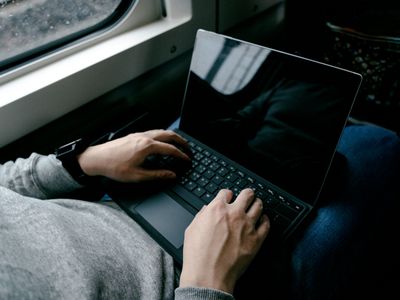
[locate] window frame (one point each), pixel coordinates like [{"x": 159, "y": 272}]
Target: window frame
[
  {"x": 43, "y": 90},
  {"x": 31, "y": 55},
  {"x": 78, "y": 73}
]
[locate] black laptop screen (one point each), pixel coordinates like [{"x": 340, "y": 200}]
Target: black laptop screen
[{"x": 279, "y": 115}]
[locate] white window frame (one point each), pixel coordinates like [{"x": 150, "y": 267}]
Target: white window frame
[
  {"x": 42, "y": 91},
  {"x": 150, "y": 34}
]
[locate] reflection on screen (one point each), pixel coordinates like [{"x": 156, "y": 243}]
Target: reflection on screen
[{"x": 276, "y": 114}]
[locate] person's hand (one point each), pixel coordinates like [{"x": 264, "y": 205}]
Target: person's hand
[
  {"x": 222, "y": 240},
  {"x": 122, "y": 159}
]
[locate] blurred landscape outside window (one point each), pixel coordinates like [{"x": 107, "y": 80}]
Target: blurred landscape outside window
[{"x": 29, "y": 28}]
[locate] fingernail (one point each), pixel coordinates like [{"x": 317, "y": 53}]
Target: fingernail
[{"x": 171, "y": 175}]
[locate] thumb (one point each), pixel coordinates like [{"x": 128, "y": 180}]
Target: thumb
[{"x": 146, "y": 174}]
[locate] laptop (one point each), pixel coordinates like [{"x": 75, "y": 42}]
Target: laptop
[{"x": 254, "y": 117}]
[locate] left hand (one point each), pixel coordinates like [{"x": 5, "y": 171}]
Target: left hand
[
  {"x": 122, "y": 159},
  {"x": 222, "y": 240}
]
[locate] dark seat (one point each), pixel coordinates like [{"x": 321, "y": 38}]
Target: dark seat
[{"x": 359, "y": 35}]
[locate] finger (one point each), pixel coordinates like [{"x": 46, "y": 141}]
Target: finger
[
  {"x": 224, "y": 196},
  {"x": 244, "y": 199},
  {"x": 255, "y": 210},
  {"x": 147, "y": 174},
  {"x": 263, "y": 227},
  {"x": 201, "y": 210},
  {"x": 166, "y": 149},
  {"x": 198, "y": 214},
  {"x": 167, "y": 136}
]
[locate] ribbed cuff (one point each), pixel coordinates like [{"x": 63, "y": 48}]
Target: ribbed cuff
[
  {"x": 195, "y": 293},
  {"x": 51, "y": 177}
]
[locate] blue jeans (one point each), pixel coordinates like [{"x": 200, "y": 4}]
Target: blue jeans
[{"x": 347, "y": 250}]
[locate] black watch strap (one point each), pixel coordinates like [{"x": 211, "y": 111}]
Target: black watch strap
[{"x": 68, "y": 155}]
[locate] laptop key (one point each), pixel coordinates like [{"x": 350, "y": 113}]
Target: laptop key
[
  {"x": 207, "y": 197},
  {"x": 194, "y": 176},
  {"x": 211, "y": 187},
  {"x": 190, "y": 186},
  {"x": 279, "y": 221},
  {"x": 214, "y": 157},
  {"x": 240, "y": 183},
  {"x": 286, "y": 211},
  {"x": 217, "y": 179},
  {"x": 202, "y": 181},
  {"x": 208, "y": 174},
  {"x": 223, "y": 171},
  {"x": 207, "y": 153},
  {"x": 232, "y": 177},
  {"x": 225, "y": 185},
  {"x": 214, "y": 166},
  {"x": 199, "y": 191},
  {"x": 201, "y": 169},
  {"x": 270, "y": 202}
]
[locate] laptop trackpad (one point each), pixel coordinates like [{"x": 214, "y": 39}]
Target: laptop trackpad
[{"x": 168, "y": 217}]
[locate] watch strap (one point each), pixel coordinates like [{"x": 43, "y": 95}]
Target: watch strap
[{"x": 68, "y": 155}]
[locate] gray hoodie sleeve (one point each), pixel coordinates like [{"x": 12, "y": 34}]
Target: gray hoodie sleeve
[
  {"x": 196, "y": 293},
  {"x": 90, "y": 238},
  {"x": 38, "y": 176}
]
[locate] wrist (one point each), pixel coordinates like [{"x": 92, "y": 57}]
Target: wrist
[
  {"x": 69, "y": 154},
  {"x": 207, "y": 281},
  {"x": 88, "y": 162}
]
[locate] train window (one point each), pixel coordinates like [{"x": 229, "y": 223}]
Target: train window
[
  {"x": 30, "y": 28},
  {"x": 57, "y": 55},
  {"x": 62, "y": 72}
]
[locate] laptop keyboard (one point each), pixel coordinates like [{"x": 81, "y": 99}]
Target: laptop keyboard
[{"x": 210, "y": 173}]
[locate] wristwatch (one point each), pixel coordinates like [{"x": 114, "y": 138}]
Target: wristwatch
[{"x": 67, "y": 154}]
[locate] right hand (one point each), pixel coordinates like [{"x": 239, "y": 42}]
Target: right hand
[
  {"x": 122, "y": 159},
  {"x": 222, "y": 240}
]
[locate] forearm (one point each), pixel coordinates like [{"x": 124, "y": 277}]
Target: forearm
[{"x": 37, "y": 176}]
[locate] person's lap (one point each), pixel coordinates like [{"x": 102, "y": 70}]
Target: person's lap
[{"x": 347, "y": 249}]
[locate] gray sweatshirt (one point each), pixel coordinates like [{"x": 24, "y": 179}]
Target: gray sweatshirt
[{"x": 74, "y": 249}]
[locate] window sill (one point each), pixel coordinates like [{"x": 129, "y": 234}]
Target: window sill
[{"x": 42, "y": 95}]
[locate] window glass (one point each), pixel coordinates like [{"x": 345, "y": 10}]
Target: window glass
[{"x": 29, "y": 28}]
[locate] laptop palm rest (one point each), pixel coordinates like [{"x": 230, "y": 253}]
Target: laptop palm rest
[{"x": 165, "y": 215}]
